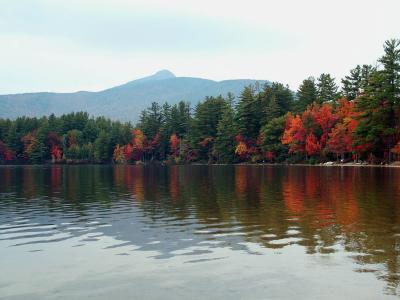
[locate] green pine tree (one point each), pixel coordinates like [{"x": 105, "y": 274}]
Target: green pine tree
[
  {"x": 249, "y": 113},
  {"x": 379, "y": 104},
  {"x": 306, "y": 94},
  {"x": 352, "y": 83},
  {"x": 224, "y": 146},
  {"x": 102, "y": 147},
  {"x": 327, "y": 88},
  {"x": 273, "y": 110},
  {"x": 271, "y": 135}
]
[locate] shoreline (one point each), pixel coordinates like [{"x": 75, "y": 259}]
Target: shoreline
[{"x": 393, "y": 165}]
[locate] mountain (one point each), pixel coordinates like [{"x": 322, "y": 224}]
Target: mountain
[{"x": 123, "y": 102}]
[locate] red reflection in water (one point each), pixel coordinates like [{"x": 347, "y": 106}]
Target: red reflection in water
[
  {"x": 326, "y": 197},
  {"x": 293, "y": 195},
  {"x": 134, "y": 178},
  {"x": 174, "y": 183},
  {"x": 55, "y": 179},
  {"x": 241, "y": 181}
]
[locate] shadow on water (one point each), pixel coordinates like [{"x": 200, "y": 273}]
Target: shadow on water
[{"x": 170, "y": 210}]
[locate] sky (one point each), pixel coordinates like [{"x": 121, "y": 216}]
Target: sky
[{"x": 73, "y": 45}]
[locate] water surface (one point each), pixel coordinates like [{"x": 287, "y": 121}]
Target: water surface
[{"x": 199, "y": 232}]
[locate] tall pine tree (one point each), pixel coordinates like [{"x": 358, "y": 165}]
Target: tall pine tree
[
  {"x": 249, "y": 113},
  {"x": 327, "y": 88},
  {"x": 306, "y": 94},
  {"x": 224, "y": 146},
  {"x": 352, "y": 83}
]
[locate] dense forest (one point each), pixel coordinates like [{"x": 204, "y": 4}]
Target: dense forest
[{"x": 321, "y": 122}]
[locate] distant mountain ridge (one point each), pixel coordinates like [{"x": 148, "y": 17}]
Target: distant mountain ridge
[{"x": 123, "y": 102}]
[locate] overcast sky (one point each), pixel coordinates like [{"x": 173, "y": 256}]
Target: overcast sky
[{"x": 92, "y": 44}]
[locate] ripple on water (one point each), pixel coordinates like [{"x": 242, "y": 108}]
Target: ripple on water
[{"x": 234, "y": 220}]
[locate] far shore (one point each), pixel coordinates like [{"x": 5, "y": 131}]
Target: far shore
[
  {"x": 329, "y": 164},
  {"x": 393, "y": 165}
]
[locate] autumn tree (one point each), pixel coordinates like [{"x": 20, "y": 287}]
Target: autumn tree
[
  {"x": 138, "y": 144},
  {"x": 119, "y": 155},
  {"x": 242, "y": 149},
  {"x": 294, "y": 134},
  {"x": 313, "y": 146},
  {"x": 54, "y": 143},
  {"x": 34, "y": 149},
  {"x": 174, "y": 145},
  {"x": 6, "y": 155}
]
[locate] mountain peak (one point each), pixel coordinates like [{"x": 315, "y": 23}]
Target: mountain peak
[
  {"x": 163, "y": 74},
  {"x": 160, "y": 75}
]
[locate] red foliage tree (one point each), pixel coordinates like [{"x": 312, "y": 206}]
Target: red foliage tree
[
  {"x": 396, "y": 150},
  {"x": 325, "y": 118},
  {"x": 174, "y": 142},
  {"x": 128, "y": 152},
  {"x": 295, "y": 134},
  {"x": 341, "y": 137},
  {"x": 53, "y": 141},
  {"x": 269, "y": 155},
  {"x": 313, "y": 147},
  {"x": 339, "y": 140},
  {"x": 5, "y": 153}
]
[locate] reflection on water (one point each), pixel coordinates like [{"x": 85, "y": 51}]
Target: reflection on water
[{"x": 331, "y": 218}]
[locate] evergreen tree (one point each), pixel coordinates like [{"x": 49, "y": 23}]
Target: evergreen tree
[
  {"x": 379, "y": 105},
  {"x": 224, "y": 146},
  {"x": 356, "y": 83},
  {"x": 366, "y": 71},
  {"x": 204, "y": 125},
  {"x": 276, "y": 100},
  {"x": 271, "y": 135},
  {"x": 249, "y": 113},
  {"x": 13, "y": 138},
  {"x": 151, "y": 120},
  {"x": 391, "y": 70},
  {"x": 327, "y": 88},
  {"x": 272, "y": 110},
  {"x": 102, "y": 147},
  {"x": 352, "y": 83},
  {"x": 306, "y": 94}
]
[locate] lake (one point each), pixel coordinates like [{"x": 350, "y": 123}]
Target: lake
[{"x": 199, "y": 232}]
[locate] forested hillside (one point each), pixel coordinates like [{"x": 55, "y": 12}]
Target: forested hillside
[
  {"x": 123, "y": 102},
  {"x": 268, "y": 123}
]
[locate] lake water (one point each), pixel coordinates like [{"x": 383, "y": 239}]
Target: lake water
[{"x": 199, "y": 232}]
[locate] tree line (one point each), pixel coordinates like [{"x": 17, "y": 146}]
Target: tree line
[{"x": 270, "y": 123}]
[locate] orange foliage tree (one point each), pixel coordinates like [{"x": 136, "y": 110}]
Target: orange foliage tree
[
  {"x": 118, "y": 155},
  {"x": 242, "y": 149},
  {"x": 313, "y": 146},
  {"x": 138, "y": 144},
  {"x": 174, "y": 142},
  {"x": 295, "y": 134}
]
